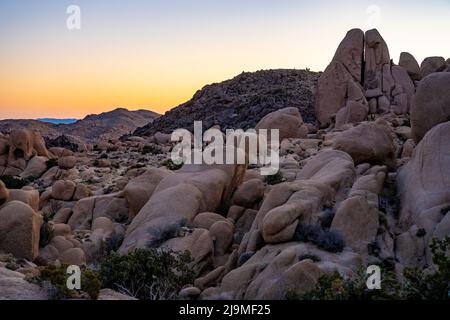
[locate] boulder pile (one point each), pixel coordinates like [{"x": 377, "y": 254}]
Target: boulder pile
[{"x": 368, "y": 184}]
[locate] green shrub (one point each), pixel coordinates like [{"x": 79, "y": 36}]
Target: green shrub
[
  {"x": 147, "y": 274},
  {"x": 50, "y": 163},
  {"x": 90, "y": 283},
  {"x": 10, "y": 261},
  {"x": 430, "y": 286},
  {"x": 274, "y": 178},
  {"x": 57, "y": 277},
  {"x": 334, "y": 287},
  {"x": 417, "y": 284},
  {"x": 14, "y": 182}
]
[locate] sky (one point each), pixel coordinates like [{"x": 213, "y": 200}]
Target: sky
[{"x": 155, "y": 54}]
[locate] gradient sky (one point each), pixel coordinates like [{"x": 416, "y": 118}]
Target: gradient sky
[{"x": 154, "y": 54}]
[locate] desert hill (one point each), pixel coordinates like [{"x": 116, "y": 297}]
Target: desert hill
[
  {"x": 239, "y": 103},
  {"x": 93, "y": 128}
]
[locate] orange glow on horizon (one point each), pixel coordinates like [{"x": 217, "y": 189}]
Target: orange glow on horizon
[{"x": 156, "y": 54}]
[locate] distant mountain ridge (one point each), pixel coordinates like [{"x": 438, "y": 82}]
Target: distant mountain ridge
[
  {"x": 57, "y": 121},
  {"x": 92, "y": 128}
]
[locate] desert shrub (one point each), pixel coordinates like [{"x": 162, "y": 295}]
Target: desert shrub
[
  {"x": 335, "y": 287},
  {"x": 90, "y": 283},
  {"x": 113, "y": 243},
  {"x": 274, "y": 178},
  {"x": 14, "y": 182},
  {"x": 327, "y": 240},
  {"x": 103, "y": 156},
  {"x": 9, "y": 261},
  {"x": 50, "y": 163},
  {"x": 416, "y": 285},
  {"x": 147, "y": 274},
  {"x": 47, "y": 230},
  {"x": 170, "y": 165},
  {"x": 57, "y": 277},
  {"x": 419, "y": 285},
  {"x": 151, "y": 149},
  {"x": 162, "y": 234}
]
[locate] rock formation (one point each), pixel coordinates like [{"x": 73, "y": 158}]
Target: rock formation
[
  {"x": 369, "y": 187},
  {"x": 431, "y": 104},
  {"x": 362, "y": 79}
]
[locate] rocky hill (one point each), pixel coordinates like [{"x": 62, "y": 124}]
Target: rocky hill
[
  {"x": 93, "y": 128},
  {"x": 241, "y": 102}
]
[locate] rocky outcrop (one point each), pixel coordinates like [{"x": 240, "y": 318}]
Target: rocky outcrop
[
  {"x": 25, "y": 144},
  {"x": 357, "y": 217},
  {"x": 409, "y": 63},
  {"x": 23, "y": 153},
  {"x": 431, "y": 104},
  {"x": 278, "y": 269},
  {"x": 35, "y": 168},
  {"x": 338, "y": 80},
  {"x": 13, "y": 286},
  {"x": 323, "y": 180},
  {"x": 368, "y": 142},
  {"x": 139, "y": 190},
  {"x": 288, "y": 121},
  {"x": 359, "y": 192},
  {"x": 19, "y": 230},
  {"x": 424, "y": 182},
  {"x": 4, "y": 193},
  {"x": 88, "y": 209},
  {"x": 178, "y": 198},
  {"x": 361, "y": 79},
  {"x": 432, "y": 64},
  {"x": 424, "y": 190}
]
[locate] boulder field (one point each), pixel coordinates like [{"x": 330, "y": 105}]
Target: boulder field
[{"x": 368, "y": 183}]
